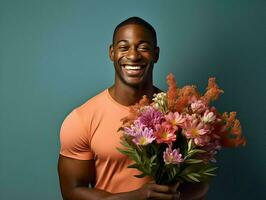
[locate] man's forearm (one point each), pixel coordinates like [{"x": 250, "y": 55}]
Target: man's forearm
[
  {"x": 148, "y": 191},
  {"x": 84, "y": 193}
]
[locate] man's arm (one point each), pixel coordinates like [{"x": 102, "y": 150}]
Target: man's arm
[{"x": 76, "y": 175}]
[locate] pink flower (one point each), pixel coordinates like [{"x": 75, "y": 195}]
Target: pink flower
[
  {"x": 192, "y": 117},
  {"x": 172, "y": 156},
  {"x": 175, "y": 119},
  {"x": 196, "y": 130},
  {"x": 145, "y": 137},
  {"x": 208, "y": 117},
  {"x": 198, "y": 106},
  {"x": 193, "y": 129},
  {"x": 165, "y": 133},
  {"x": 202, "y": 140}
]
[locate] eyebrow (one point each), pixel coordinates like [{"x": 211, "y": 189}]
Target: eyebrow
[
  {"x": 140, "y": 42},
  {"x": 121, "y": 41}
]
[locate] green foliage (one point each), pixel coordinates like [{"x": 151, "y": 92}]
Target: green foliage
[{"x": 149, "y": 161}]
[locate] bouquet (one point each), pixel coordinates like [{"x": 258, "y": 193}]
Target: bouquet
[{"x": 177, "y": 135}]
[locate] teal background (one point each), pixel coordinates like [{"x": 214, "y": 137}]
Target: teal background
[{"x": 54, "y": 56}]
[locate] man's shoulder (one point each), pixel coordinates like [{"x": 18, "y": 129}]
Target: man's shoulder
[
  {"x": 91, "y": 108},
  {"x": 94, "y": 102}
]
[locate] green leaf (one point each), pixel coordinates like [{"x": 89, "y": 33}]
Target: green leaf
[
  {"x": 193, "y": 178},
  {"x": 194, "y": 151},
  {"x": 135, "y": 165},
  {"x": 137, "y": 157},
  {"x": 195, "y": 174},
  {"x": 187, "y": 179},
  {"x": 125, "y": 151},
  {"x": 211, "y": 169},
  {"x": 192, "y": 161},
  {"x": 189, "y": 145},
  {"x": 126, "y": 144},
  {"x": 153, "y": 158},
  {"x": 209, "y": 174},
  {"x": 140, "y": 175}
]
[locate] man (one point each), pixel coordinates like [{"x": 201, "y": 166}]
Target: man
[{"x": 89, "y": 136}]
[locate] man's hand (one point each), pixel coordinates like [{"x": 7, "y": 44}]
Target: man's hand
[{"x": 155, "y": 191}]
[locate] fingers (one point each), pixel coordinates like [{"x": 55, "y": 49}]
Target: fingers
[
  {"x": 163, "y": 192},
  {"x": 164, "y": 188},
  {"x": 174, "y": 187},
  {"x": 177, "y": 196},
  {"x": 161, "y": 188},
  {"x": 165, "y": 196}
]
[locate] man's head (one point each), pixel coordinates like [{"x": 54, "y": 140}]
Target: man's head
[
  {"x": 139, "y": 21},
  {"x": 134, "y": 52}
]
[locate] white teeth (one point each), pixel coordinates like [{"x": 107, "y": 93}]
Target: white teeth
[{"x": 129, "y": 67}]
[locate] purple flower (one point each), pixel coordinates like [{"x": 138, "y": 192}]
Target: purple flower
[
  {"x": 172, "y": 156},
  {"x": 211, "y": 150},
  {"x": 150, "y": 117},
  {"x": 135, "y": 129},
  {"x": 145, "y": 137},
  {"x": 140, "y": 134}
]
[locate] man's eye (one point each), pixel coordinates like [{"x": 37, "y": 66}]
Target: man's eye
[
  {"x": 144, "y": 48},
  {"x": 122, "y": 48}
]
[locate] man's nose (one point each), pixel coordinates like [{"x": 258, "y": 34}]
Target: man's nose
[{"x": 133, "y": 54}]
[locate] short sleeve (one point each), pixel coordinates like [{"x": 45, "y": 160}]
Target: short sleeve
[{"x": 74, "y": 138}]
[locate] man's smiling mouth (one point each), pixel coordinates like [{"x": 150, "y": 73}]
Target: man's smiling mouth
[{"x": 134, "y": 69}]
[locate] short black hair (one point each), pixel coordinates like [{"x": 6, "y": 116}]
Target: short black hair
[{"x": 139, "y": 21}]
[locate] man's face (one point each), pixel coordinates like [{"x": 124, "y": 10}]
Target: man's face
[{"x": 134, "y": 54}]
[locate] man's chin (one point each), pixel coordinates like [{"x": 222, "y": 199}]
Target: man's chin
[
  {"x": 135, "y": 84},
  {"x": 133, "y": 81}
]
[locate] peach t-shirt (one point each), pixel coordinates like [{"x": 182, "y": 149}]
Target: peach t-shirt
[{"x": 90, "y": 132}]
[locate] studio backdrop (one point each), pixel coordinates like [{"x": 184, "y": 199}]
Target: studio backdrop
[{"x": 54, "y": 57}]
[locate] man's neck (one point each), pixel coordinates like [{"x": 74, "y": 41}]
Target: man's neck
[{"x": 127, "y": 95}]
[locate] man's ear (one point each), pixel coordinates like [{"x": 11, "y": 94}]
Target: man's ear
[
  {"x": 111, "y": 52},
  {"x": 156, "y": 54}
]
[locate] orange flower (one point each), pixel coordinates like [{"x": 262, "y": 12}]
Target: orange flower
[
  {"x": 237, "y": 129},
  {"x": 230, "y": 133},
  {"x": 172, "y": 92},
  {"x": 229, "y": 119},
  {"x": 134, "y": 111},
  {"x": 212, "y": 91},
  {"x": 186, "y": 95},
  {"x": 189, "y": 91}
]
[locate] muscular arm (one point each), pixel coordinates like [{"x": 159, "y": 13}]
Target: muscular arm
[{"x": 76, "y": 175}]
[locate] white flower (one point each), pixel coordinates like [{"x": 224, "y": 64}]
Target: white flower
[{"x": 208, "y": 117}]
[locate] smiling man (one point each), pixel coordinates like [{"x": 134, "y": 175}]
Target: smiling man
[
  {"x": 133, "y": 52},
  {"x": 89, "y": 137}
]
